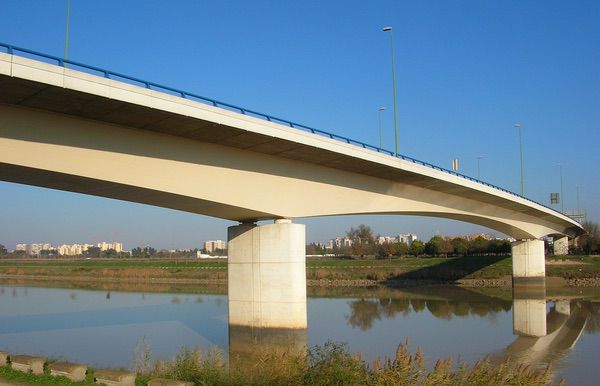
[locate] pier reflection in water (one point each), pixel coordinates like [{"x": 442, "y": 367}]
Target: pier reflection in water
[{"x": 102, "y": 328}]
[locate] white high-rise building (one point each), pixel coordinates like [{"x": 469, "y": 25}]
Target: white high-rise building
[
  {"x": 213, "y": 245},
  {"x": 407, "y": 238},
  {"x": 34, "y": 249},
  {"x": 104, "y": 246}
]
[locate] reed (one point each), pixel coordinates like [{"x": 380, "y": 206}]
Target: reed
[{"x": 333, "y": 364}]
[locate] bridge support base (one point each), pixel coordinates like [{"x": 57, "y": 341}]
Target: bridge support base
[
  {"x": 528, "y": 261},
  {"x": 267, "y": 275},
  {"x": 561, "y": 246}
]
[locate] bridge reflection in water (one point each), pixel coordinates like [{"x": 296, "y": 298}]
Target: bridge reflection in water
[
  {"x": 547, "y": 332},
  {"x": 546, "y": 328}
]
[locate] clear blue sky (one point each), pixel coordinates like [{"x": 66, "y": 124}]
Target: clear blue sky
[{"x": 466, "y": 71}]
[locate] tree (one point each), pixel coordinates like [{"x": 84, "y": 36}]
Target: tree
[
  {"x": 385, "y": 250},
  {"x": 446, "y": 247},
  {"x": 499, "y": 247},
  {"x": 590, "y": 242},
  {"x": 146, "y": 251},
  {"x": 416, "y": 248},
  {"x": 432, "y": 247},
  {"x": 401, "y": 249},
  {"x": 478, "y": 246},
  {"x": 362, "y": 234},
  {"x": 3, "y": 250},
  {"x": 314, "y": 249},
  {"x": 438, "y": 245},
  {"x": 49, "y": 252},
  {"x": 110, "y": 253},
  {"x": 460, "y": 246},
  {"x": 93, "y": 252},
  {"x": 363, "y": 241}
]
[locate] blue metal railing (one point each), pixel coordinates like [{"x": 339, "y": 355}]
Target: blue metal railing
[{"x": 13, "y": 50}]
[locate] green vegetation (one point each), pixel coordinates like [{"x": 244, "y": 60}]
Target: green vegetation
[
  {"x": 332, "y": 364},
  {"x": 590, "y": 242},
  {"x": 19, "y": 377},
  {"x": 391, "y": 271},
  {"x": 438, "y": 260}
]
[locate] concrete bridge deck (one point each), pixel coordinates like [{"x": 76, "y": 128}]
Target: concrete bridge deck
[{"x": 41, "y": 87}]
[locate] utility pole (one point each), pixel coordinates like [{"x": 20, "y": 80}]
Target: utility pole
[
  {"x": 66, "y": 55},
  {"x": 390, "y": 30},
  {"x": 562, "y": 197},
  {"x": 381, "y": 109},
  {"x": 518, "y": 126}
]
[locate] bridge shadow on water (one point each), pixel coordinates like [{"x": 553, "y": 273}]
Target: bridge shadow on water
[{"x": 452, "y": 270}]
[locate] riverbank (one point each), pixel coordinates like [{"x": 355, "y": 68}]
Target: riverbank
[
  {"x": 330, "y": 364},
  {"x": 470, "y": 271}
]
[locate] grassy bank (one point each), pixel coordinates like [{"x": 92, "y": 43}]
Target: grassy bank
[
  {"x": 330, "y": 364},
  {"x": 320, "y": 271}
]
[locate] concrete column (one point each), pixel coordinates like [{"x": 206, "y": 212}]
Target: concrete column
[
  {"x": 267, "y": 275},
  {"x": 528, "y": 260},
  {"x": 529, "y": 310},
  {"x": 561, "y": 246}
]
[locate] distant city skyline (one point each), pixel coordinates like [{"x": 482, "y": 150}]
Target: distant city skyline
[{"x": 465, "y": 74}]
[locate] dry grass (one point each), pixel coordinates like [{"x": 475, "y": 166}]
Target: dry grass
[{"x": 332, "y": 364}]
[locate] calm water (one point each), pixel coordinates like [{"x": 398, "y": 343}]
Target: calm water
[{"x": 102, "y": 328}]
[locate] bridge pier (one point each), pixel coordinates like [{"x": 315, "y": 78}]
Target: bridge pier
[
  {"x": 561, "y": 246},
  {"x": 528, "y": 261},
  {"x": 267, "y": 275}
]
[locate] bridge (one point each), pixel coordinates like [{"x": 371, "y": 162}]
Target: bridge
[{"x": 74, "y": 127}]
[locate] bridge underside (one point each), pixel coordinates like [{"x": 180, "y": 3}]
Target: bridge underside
[{"x": 62, "y": 152}]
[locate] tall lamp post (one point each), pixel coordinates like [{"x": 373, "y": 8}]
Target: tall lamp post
[
  {"x": 389, "y": 29},
  {"x": 518, "y": 126},
  {"x": 478, "y": 167},
  {"x": 67, "y": 30},
  {"x": 379, "y": 111},
  {"x": 562, "y": 197}
]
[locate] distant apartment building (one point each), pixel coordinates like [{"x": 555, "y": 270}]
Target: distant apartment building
[
  {"x": 73, "y": 249},
  {"x": 407, "y": 238},
  {"x": 104, "y": 246},
  {"x": 338, "y": 243},
  {"x": 386, "y": 240},
  {"x": 34, "y": 249},
  {"x": 213, "y": 245},
  {"x": 473, "y": 236}
]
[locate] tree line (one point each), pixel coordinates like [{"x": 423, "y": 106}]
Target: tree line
[{"x": 364, "y": 243}]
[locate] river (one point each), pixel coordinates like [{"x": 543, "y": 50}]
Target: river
[{"x": 102, "y": 328}]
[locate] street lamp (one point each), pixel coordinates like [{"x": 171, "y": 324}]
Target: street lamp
[
  {"x": 380, "y": 110},
  {"x": 67, "y": 30},
  {"x": 478, "y": 167},
  {"x": 389, "y": 29},
  {"x": 562, "y": 197},
  {"x": 518, "y": 126}
]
